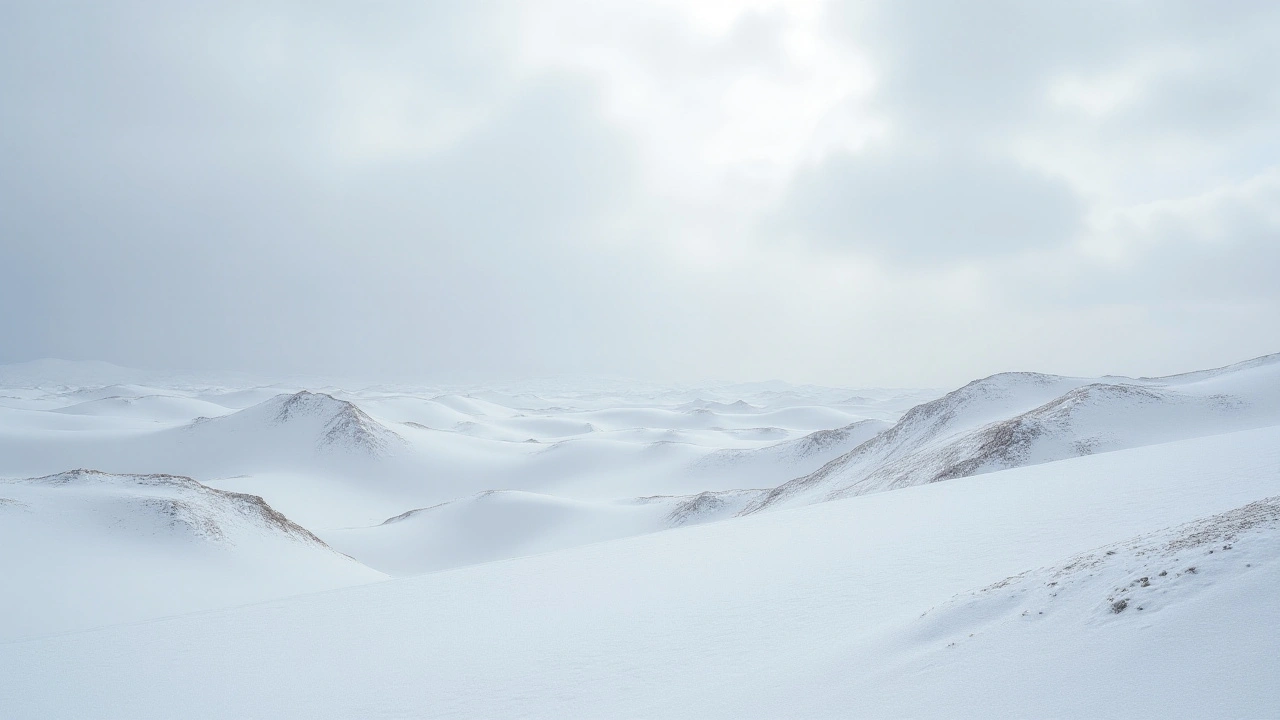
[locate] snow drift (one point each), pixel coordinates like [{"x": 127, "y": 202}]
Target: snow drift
[
  {"x": 89, "y": 548},
  {"x": 500, "y": 524},
  {"x": 1015, "y": 419}
]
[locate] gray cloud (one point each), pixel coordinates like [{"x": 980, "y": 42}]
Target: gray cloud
[
  {"x": 1222, "y": 248},
  {"x": 930, "y": 209},
  {"x": 969, "y": 87},
  {"x": 424, "y": 188},
  {"x": 169, "y": 206},
  {"x": 957, "y": 70}
]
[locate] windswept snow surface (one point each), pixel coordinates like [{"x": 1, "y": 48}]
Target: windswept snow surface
[
  {"x": 332, "y": 459},
  {"x": 1027, "y": 545},
  {"x": 1016, "y": 419},
  {"x": 509, "y": 523},
  {"x": 85, "y": 548},
  {"x": 847, "y": 608}
]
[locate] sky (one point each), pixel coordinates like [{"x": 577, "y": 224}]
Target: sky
[{"x": 844, "y": 193}]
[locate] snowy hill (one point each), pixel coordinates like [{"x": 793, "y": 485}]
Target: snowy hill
[
  {"x": 89, "y": 548},
  {"x": 159, "y": 408},
  {"x": 1016, "y": 419},
  {"x": 1145, "y": 574},
  {"x": 750, "y": 466},
  {"x": 809, "y": 612},
  {"x": 1100, "y": 547},
  {"x": 500, "y": 524},
  {"x": 303, "y": 418},
  {"x": 1185, "y": 615}
]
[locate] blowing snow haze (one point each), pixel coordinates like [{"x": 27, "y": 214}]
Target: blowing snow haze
[{"x": 825, "y": 192}]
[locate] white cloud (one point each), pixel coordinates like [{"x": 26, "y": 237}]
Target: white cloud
[{"x": 817, "y": 191}]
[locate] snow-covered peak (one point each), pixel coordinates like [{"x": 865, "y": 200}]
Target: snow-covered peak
[
  {"x": 331, "y": 423},
  {"x": 1014, "y": 419}
]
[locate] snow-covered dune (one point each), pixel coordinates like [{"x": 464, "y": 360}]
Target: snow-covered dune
[
  {"x": 601, "y": 555},
  {"x": 85, "y": 548},
  {"x": 816, "y": 611},
  {"x": 758, "y": 466},
  {"x": 161, "y": 408},
  {"x": 240, "y": 399},
  {"x": 500, "y": 524},
  {"x": 304, "y": 419},
  {"x": 493, "y": 525},
  {"x": 1016, "y": 419}
]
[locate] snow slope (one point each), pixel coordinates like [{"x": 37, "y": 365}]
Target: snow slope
[
  {"x": 85, "y": 548},
  {"x": 300, "y": 421},
  {"x": 1016, "y": 419},
  {"x": 160, "y": 408},
  {"x": 497, "y": 524},
  {"x": 500, "y": 524},
  {"x": 755, "y": 466},
  {"x": 1179, "y": 622},
  {"x": 817, "y": 611},
  {"x": 342, "y": 459}
]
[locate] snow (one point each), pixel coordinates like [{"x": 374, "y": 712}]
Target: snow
[
  {"x": 1015, "y": 419},
  {"x": 501, "y": 524},
  {"x": 87, "y": 548},
  {"x": 1027, "y": 545},
  {"x": 796, "y": 612},
  {"x": 161, "y": 408}
]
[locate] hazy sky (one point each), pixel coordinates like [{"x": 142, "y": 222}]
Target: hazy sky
[{"x": 897, "y": 193}]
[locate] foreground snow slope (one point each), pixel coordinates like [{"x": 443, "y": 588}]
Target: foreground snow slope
[
  {"x": 1180, "y": 622},
  {"x": 813, "y": 611},
  {"x": 85, "y": 548}
]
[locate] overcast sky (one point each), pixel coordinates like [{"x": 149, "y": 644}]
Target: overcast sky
[{"x": 860, "y": 193}]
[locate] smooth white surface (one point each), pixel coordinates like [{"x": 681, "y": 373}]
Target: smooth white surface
[
  {"x": 800, "y": 612},
  {"x": 619, "y": 565}
]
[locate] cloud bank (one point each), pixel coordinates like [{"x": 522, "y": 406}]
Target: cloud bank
[{"x": 855, "y": 193}]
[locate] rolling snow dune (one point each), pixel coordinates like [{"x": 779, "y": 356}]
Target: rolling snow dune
[
  {"x": 87, "y": 548},
  {"x": 808, "y": 612},
  {"x": 344, "y": 459},
  {"x": 1101, "y": 547},
  {"x": 501, "y": 524},
  {"x": 409, "y": 409},
  {"x": 808, "y": 453},
  {"x": 240, "y": 399},
  {"x": 307, "y": 420},
  {"x": 288, "y": 432},
  {"x": 1016, "y": 419},
  {"x": 162, "y": 408},
  {"x": 473, "y": 407}
]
